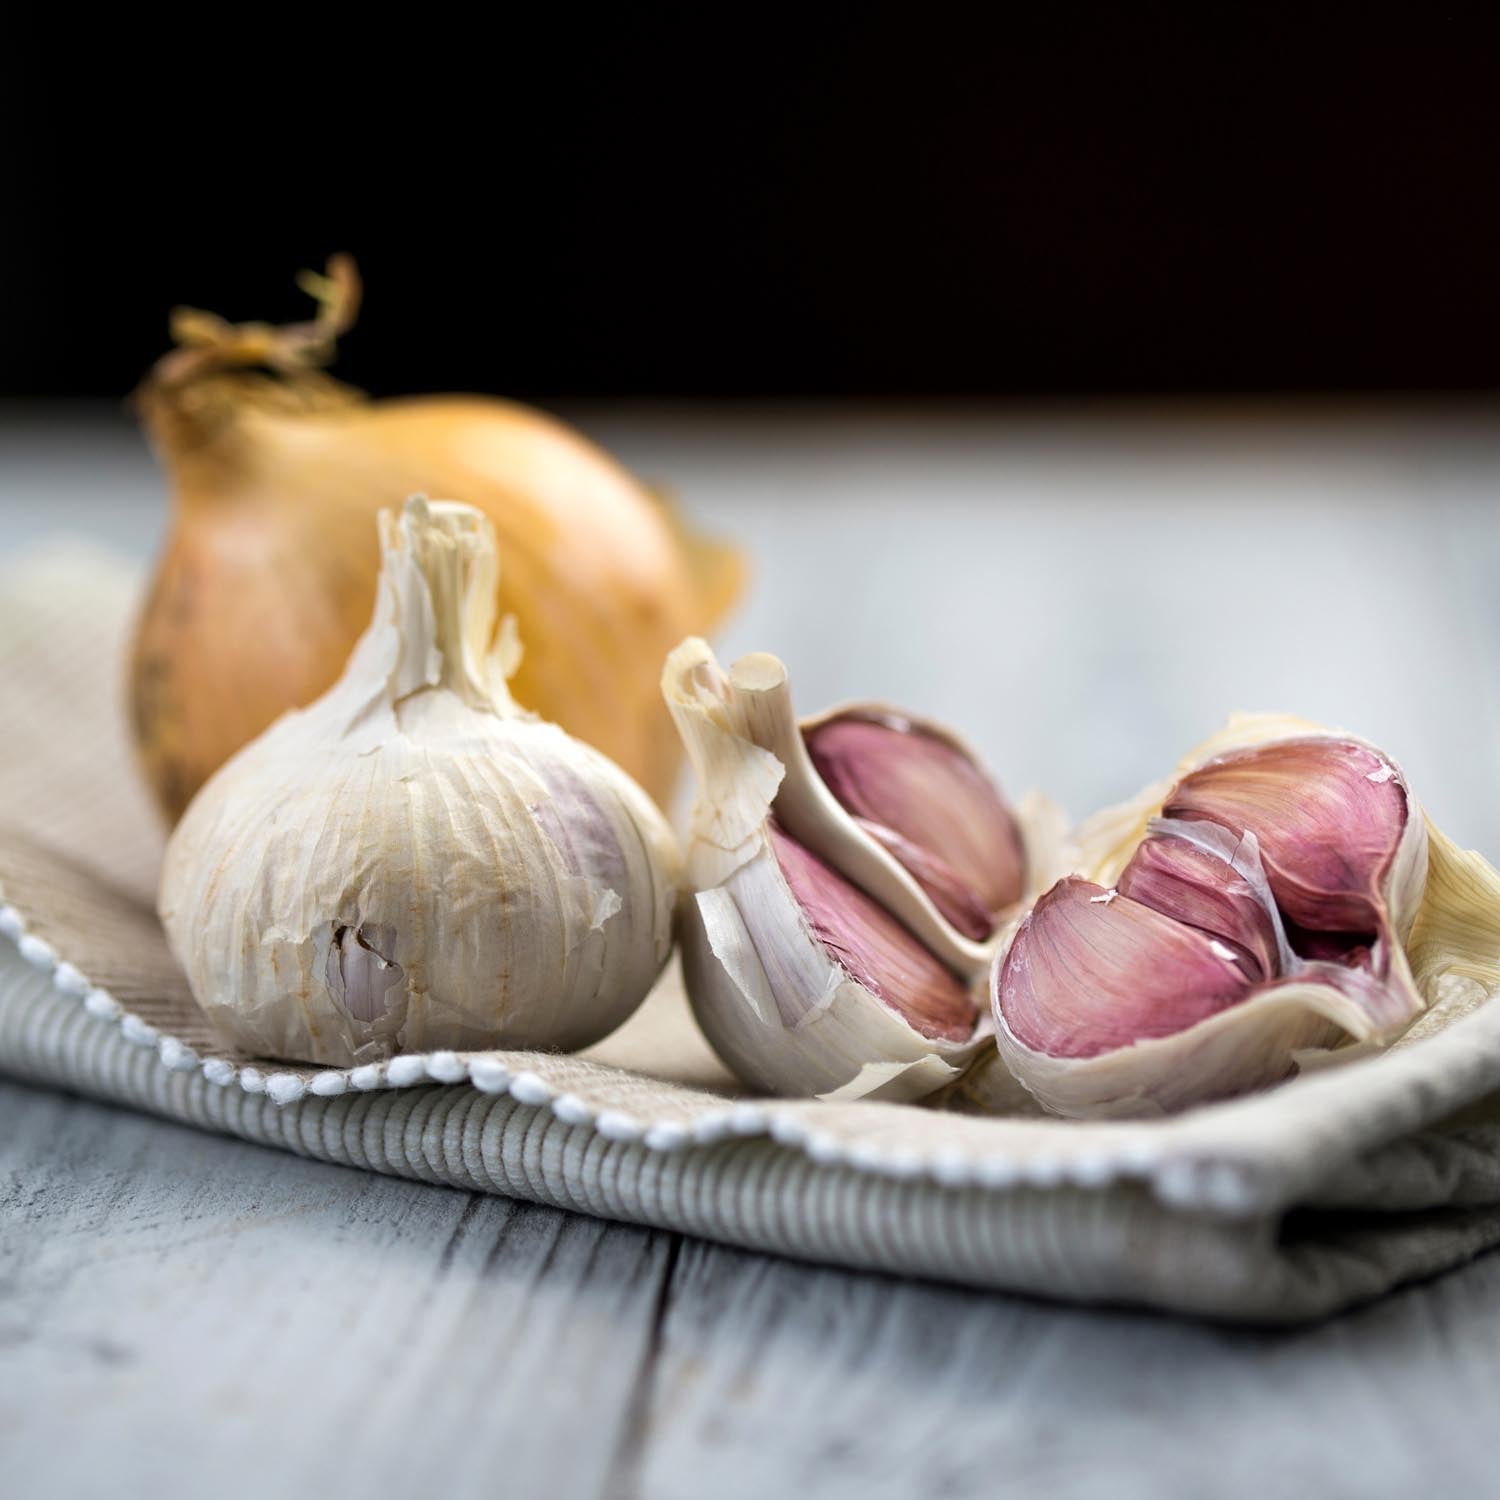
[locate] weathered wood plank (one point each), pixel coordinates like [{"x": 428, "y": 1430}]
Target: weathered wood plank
[
  {"x": 775, "y": 1379},
  {"x": 179, "y": 1307}
]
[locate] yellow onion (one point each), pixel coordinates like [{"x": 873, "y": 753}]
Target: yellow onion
[{"x": 269, "y": 572}]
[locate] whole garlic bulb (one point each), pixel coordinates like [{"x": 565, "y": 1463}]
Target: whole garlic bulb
[
  {"x": 847, "y": 877},
  {"x": 1256, "y": 906},
  {"x": 413, "y": 862}
]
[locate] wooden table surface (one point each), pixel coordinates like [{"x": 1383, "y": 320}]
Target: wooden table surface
[{"x": 1085, "y": 595}]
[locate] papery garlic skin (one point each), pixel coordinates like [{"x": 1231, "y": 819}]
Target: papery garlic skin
[
  {"x": 413, "y": 863},
  {"x": 1319, "y": 828},
  {"x": 772, "y": 990}
]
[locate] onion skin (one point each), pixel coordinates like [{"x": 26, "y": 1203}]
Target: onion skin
[{"x": 268, "y": 576}]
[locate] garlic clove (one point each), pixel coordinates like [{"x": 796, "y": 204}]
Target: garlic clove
[
  {"x": 931, "y": 806},
  {"x": 1107, "y": 1007},
  {"x": 360, "y": 977},
  {"x": 1104, "y": 843},
  {"x": 1329, "y": 815},
  {"x": 1091, "y": 971},
  {"x": 1210, "y": 887},
  {"x": 752, "y": 716},
  {"x": 1243, "y": 1046},
  {"x": 875, "y": 949},
  {"x": 784, "y": 1013}
]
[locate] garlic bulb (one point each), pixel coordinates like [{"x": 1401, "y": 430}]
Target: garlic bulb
[
  {"x": 837, "y": 922},
  {"x": 1257, "y": 906},
  {"x": 413, "y": 862}
]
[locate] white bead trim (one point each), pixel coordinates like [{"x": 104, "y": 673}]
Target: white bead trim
[
  {"x": 572, "y": 1110},
  {"x": 402, "y": 1072},
  {"x": 528, "y": 1088},
  {"x": 447, "y": 1067},
  {"x": 1223, "y": 1186},
  {"x": 137, "y": 1031},
  {"x": 177, "y": 1055},
  {"x": 284, "y": 1088},
  {"x": 37, "y": 953},
  {"x": 103, "y": 1006},
  {"x": 614, "y": 1125},
  {"x": 66, "y": 978},
  {"x": 489, "y": 1076}
]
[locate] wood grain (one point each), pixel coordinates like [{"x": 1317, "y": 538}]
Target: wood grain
[
  {"x": 183, "y": 1314},
  {"x": 188, "y": 1306}
]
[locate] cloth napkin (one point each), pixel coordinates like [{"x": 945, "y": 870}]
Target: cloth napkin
[{"x": 1284, "y": 1206}]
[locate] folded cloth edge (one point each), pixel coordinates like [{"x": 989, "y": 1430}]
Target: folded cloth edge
[
  {"x": 1114, "y": 1244},
  {"x": 1245, "y": 1158}
]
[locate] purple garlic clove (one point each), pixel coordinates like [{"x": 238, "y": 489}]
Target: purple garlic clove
[
  {"x": 1329, "y": 816},
  {"x": 874, "y": 947},
  {"x": 1176, "y": 875},
  {"x": 932, "y": 808},
  {"x": 1090, "y": 971}
]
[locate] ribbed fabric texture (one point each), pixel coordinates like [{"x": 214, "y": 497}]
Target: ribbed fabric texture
[{"x": 1111, "y": 1244}]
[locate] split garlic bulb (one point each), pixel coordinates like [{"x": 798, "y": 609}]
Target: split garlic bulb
[
  {"x": 847, "y": 878},
  {"x": 413, "y": 862},
  {"x": 1273, "y": 898}
]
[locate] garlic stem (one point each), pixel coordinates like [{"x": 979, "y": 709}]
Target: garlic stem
[{"x": 438, "y": 595}]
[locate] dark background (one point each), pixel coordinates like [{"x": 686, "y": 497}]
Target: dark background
[{"x": 845, "y": 201}]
